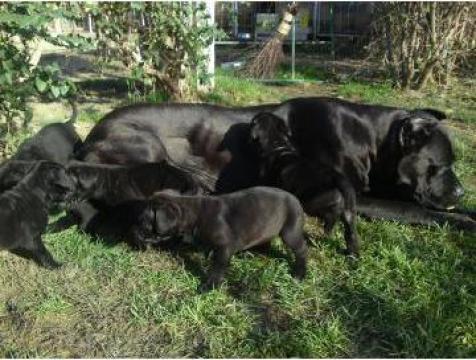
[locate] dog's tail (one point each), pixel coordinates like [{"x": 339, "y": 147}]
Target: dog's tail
[
  {"x": 74, "y": 115},
  {"x": 204, "y": 180}
]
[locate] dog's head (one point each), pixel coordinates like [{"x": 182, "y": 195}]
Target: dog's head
[
  {"x": 85, "y": 177},
  {"x": 13, "y": 171},
  {"x": 167, "y": 214},
  {"x": 57, "y": 184},
  {"x": 427, "y": 162},
  {"x": 268, "y": 131}
]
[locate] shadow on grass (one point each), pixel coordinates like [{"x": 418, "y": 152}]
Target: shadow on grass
[
  {"x": 107, "y": 87},
  {"x": 111, "y": 228}
]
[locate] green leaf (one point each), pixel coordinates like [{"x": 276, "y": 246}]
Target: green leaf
[
  {"x": 64, "y": 89},
  {"x": 40, "y": 85},
  {"x": 55, "y": 90}
]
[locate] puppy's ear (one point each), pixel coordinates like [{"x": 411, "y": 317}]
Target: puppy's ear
[
  {"x": 415, "y": 132},
  {"x": 282, "y": 127},
  {"x": 84, "y": 180},
  {"x": 254, "y": 131},
  {"x": 173, "y": 211},
  {"x": 167, "y": 218},
  {"x": 257, "y": 123},
  {"x": 164, "y": 200},
  {"x": 437, "y": 114}
]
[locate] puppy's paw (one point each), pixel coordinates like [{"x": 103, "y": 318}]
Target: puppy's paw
[
  {"x": 350, "y": 254},
  {"x": 139, "y": 245},
  {"x": 299, "y": 275},
  {"x": 52, "y": 265},
  {"x": 205, "y": 288},
  {"x": 208, "y": 286}
]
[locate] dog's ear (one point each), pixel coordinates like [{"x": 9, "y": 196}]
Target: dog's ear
[
  {"x": 165, "y": 201},
  {"x": 415, "y": 132},
  {"x": 437, "y": 114},
  {"x": 257, "y": 123},
  {"x": 173, "y": 211},
  {"x": 254, "y": 131},
  {"x": 83, "y": 178},
  {"x": 167, "y": 218},
  {"x": 282, "y": 127}
]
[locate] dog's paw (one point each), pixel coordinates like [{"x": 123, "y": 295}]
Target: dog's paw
[
  {"x": 351, "y": 254},
  {"x": 52, "y": 265},
  {"x": 205, "y": 288},
  {"x": 299, "y": 275},
  {"x": 139, "y": 245},
  {"x": 208, "y": 286}
]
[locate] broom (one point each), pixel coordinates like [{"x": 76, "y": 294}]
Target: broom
[{"x": 265, "y": 62}]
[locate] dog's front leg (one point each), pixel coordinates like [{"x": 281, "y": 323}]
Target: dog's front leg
[
  {"x": 220, "y": 262},
  {"x": 328, "y": 206},
  {"x": 350, "y": 234},
  {"x": 41, "y": 255}
]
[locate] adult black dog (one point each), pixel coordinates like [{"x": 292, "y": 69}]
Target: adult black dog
[
  {"x": 24, "y": 211},
  {"x": 231, "y": 223},
  {"x": 385, "y": 152},
  {"x": 314, "y": 185},
  {"x": 55, "y": 142}
]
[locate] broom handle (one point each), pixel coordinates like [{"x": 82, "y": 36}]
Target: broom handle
[{"x": 285, "y": 26}]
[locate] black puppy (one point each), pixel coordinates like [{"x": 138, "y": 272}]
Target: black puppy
[
  {"x": 24, "y": 211},
  {"x": 323, "y": 191},
  {"x": 54, "y": 142},
  {"x": 13, "y": 171},
  {"x": 104, "y": 187},
  {"x": 232, "y": 222},
  {"x": 114, "y": 184}
]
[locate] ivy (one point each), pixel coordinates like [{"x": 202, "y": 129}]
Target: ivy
[
  {"x": 162, "y": 44},
  {"x": 22, "y": 26}
]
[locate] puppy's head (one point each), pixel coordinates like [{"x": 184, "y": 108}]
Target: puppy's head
[
  {"x": 57, "y": 184},
  {"x": 13, "y": 171},
  {"x": 85, "y": 177},
  {"x": 268, "y": 131},
  {"x": 168, "y": 214},
  {"x": 427, "y": 162}
]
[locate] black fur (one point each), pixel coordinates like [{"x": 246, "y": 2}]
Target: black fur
[
  {"x": 385, "y": 152},
  {"x": 416, "y": 214},
  {"x": 230, "y": 223},
  {"x": 324, "y": 192},
  {"x": 113, "y": 184},
  {"x": 24, "y": 211},
  {"x": 55, "y": 142},
  {"x": 102, "y": 187},
  {"x": 13, "y": 171}
]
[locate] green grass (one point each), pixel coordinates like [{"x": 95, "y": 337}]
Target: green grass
[{"x": 411, "y": 294}]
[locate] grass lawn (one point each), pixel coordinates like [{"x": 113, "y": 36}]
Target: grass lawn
[{"x": 412, "y": 293}]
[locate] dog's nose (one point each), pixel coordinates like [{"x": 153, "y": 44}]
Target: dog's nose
[{"x": 458, "y": 192}]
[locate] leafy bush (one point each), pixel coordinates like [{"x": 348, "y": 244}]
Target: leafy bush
[
  {"x": 23, "y": 27},
  {"x": 161, "y": 43}
]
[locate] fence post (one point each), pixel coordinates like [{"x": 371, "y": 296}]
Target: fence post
[
  {"x": 314, "y": 21},
  {"x": 210, "y": 53},
  {"x": 235, "y": 19},
  {"x": 333, "y": 50},
  {"x": 293, "y": 49},
  {"x": 90, "y": 23}
]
